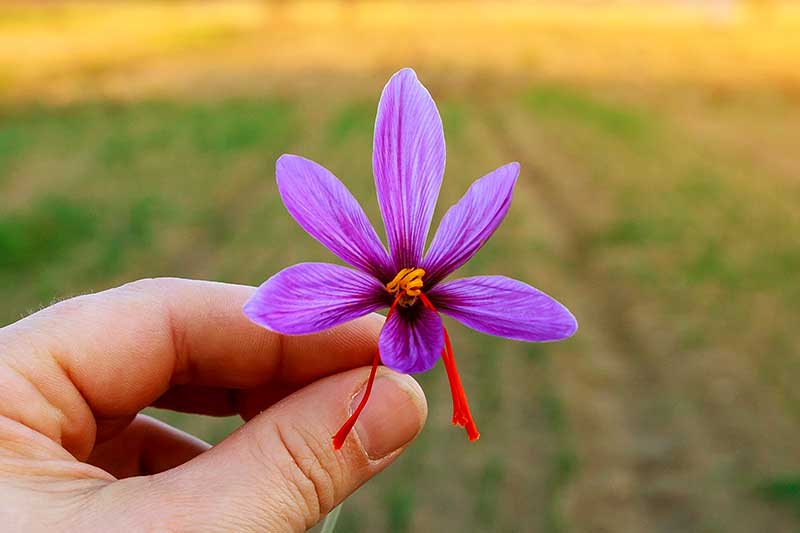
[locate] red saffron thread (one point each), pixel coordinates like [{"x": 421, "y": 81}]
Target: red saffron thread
[
  {"x": 341, "y": 435},
  {"x": 461, "y": 413}
]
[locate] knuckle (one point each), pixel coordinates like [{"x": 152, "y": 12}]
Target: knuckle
[
  {"x": 139, "y": 290},
  {"x": 144, "y": 285},
  {"x": 149, "y": 293},
  {"x": 70, "y": 306}
]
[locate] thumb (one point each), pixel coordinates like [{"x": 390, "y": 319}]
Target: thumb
[{"x": 279, "y": 472}]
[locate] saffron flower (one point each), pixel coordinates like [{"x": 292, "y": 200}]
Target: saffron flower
[{"x": 408, "y": 162}]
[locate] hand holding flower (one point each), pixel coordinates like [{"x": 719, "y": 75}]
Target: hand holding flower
[{"x": 75, "y": 455}]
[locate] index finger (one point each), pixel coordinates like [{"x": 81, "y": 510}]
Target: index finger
[{"x": 110, "y": 354}]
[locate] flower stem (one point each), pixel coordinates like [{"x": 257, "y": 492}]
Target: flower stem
[{"x": 330, "y": 521}]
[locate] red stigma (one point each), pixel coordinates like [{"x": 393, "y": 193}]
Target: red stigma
[
  {"x": 341, "y": 435},
  {"x": 461, "y": 413}
]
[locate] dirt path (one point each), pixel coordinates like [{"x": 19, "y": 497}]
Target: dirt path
[{"x": 653, "y": 449}]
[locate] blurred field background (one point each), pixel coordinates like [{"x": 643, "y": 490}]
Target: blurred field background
[{"x": 659, "y": 199}]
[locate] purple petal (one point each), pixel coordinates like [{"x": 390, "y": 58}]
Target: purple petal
[
  {"x": 408, "y": 161},
  {"x": 468, "y": 224},
  {"x": 411, "y": 342},
  {"x": 323, "y": 206},
  {"x": 505, "y": 307},
  {"x": 310, "y": 297}
]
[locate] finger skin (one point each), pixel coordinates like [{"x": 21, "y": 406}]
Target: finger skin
[
  {"x": 216, "y": 401},
  {"x": 146, "y": 446},
  {"x": 279, "y": 472},
  {"x": 110, "y": 354},
  {"x": 75, "y": 376}
]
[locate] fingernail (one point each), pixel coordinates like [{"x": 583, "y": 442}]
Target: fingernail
[{"x": 393, "y": 415}]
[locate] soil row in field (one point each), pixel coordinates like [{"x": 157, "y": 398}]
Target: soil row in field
[{"x": 648, "y": 444}]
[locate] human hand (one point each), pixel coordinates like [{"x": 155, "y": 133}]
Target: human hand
[{"x": 75, "y": 455}]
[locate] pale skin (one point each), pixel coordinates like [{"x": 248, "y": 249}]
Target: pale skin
[{"x": 76, "y": 455}]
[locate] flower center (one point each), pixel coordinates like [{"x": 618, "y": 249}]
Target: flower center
[{"x": 407, "y": 284}]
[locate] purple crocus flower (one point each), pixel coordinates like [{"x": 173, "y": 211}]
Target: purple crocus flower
[{"x": 408, "y": 161}]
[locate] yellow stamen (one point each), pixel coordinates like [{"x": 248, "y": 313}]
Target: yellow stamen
[{"x": 408, "y": 280}]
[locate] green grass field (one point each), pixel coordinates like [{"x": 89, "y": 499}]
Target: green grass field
[{"x": 663, "y": 213}]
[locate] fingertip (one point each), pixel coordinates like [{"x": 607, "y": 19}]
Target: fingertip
[
  {"x": 414, "y": 390},
  {"x": 374, "y": 323},
  {"x": 394, "y": 416},
  {"x": 284, "y": 456}
]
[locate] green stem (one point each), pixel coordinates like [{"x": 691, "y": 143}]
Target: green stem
[{"x": 330, "y": 521}]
